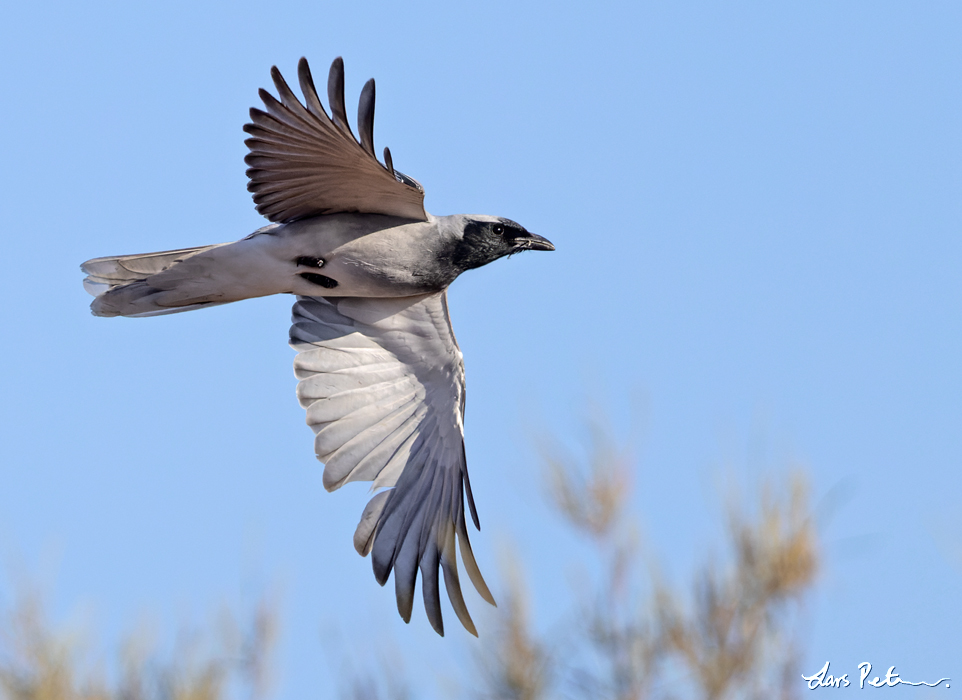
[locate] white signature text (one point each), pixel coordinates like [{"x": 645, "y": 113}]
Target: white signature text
[{"x": 824, "y": 679}]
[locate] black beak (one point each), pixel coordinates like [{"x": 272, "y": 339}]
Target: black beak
[{"x": 533, "y": 241}]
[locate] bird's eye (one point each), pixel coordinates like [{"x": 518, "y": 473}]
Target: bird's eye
[{"x": 499, "y": 229}]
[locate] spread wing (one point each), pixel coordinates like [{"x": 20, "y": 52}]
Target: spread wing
[
  {"x": 303, "y": 163},
  {"x": 383, "y": 384}
]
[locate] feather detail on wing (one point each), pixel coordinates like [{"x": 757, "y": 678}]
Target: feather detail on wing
[
  {"x": 303, "y": 163},
  {"x": 383, "y": 384}
]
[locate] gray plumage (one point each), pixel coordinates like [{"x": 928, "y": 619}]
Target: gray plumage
[{"x": 379, "y": 370}]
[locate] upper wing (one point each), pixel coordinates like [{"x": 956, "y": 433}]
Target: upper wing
[
  {"x": 383, "y": 384},
  {"x": 304, "y": 164}
]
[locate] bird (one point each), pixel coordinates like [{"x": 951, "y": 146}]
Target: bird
[{"x": 379, "y": 370}]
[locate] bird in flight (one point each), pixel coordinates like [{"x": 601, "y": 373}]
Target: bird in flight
[{"x": 379, "y": 370}]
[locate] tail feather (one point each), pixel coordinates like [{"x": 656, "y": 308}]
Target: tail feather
[
  {"x": 119, "y": 269},
  {"x": 120, "y": 285}
]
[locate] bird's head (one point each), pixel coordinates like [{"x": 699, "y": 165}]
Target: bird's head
[{"x": 484, "y": 239}]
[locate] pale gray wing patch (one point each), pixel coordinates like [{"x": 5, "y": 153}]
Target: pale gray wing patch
[
  {"x": 303, "y": 163},
  {"x": 383, "y": 384}
]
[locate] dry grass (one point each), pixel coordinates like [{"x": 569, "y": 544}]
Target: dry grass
[
  {"x": 630, "y": 639},
  {"x": 518, "y": 667},
  {"x": 590, "y": 497},
  {"x": 732, "y": 639},
  {"x": 37, "y": 663}
]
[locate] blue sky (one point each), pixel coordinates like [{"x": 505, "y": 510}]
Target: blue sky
[{"x": 757, "y": 213}]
